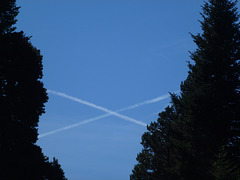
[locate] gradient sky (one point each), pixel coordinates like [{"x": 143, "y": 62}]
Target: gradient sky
[{"x": 113, "y": 54}]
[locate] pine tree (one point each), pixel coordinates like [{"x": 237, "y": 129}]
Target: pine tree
[
  {"x": 208, "y": 106},
  {"x": 210, "y": 94},
  {"x": 22, "y": 98}
]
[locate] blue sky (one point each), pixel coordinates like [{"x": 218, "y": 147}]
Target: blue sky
[{"x": 113, "y": 54}]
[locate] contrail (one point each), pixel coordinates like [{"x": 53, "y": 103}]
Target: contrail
[
  {"x": 73, "y": 125},
  {"x": 102, "y": 116},
  {"x": 145, "y": 102},
  {"x": 98, "y": 107}
]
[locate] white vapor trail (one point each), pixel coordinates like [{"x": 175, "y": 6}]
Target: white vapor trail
[
  {"x": 73, "y": 125},
  {"x": 97, "y": 107},
  {"x": 109, "y": 112},
  {"x": 145, "y": 102}
]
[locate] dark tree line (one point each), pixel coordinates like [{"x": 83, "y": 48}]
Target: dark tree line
[
  {"x": 197, "y": 137},
  {"x": 22, "y": 98}
]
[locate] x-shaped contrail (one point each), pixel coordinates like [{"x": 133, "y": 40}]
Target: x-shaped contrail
[{"x": 109, "y": 112}]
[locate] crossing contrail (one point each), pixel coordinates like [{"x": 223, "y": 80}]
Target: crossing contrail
[
  {"x": 97, "y": 107},
  {"x": 109, "y": 112}
]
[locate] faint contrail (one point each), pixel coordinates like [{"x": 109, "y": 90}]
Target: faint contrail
[
  {"x": 102, "y": 116},
  {"x": 72, "y": 126},
  {"x": 145, "y": 102}
]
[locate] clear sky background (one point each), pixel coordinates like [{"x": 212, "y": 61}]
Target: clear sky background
[{"x": 113, "y": 53}]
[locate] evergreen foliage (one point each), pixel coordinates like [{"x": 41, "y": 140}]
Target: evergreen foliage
[
  {"x": 22, "y": 99},
  {"x": 54, "y": 170},
  {"x": 202, "y": 139},
  {"x": 8, "y": 13}
]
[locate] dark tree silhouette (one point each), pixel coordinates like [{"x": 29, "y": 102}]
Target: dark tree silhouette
[
  {"x": 202, "y": 139},
  {"x": 159, "y": 156},
  {"x": 22, "y": 98},
  {"x": 54, "y": 170},
  {"x": 8, "y": 11}
]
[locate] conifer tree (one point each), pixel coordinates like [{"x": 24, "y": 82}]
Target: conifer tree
[
  {"x": 208, "y": 116},
  {"x": 22, "y": 98},
  {"x": 159, "y": 159}
]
